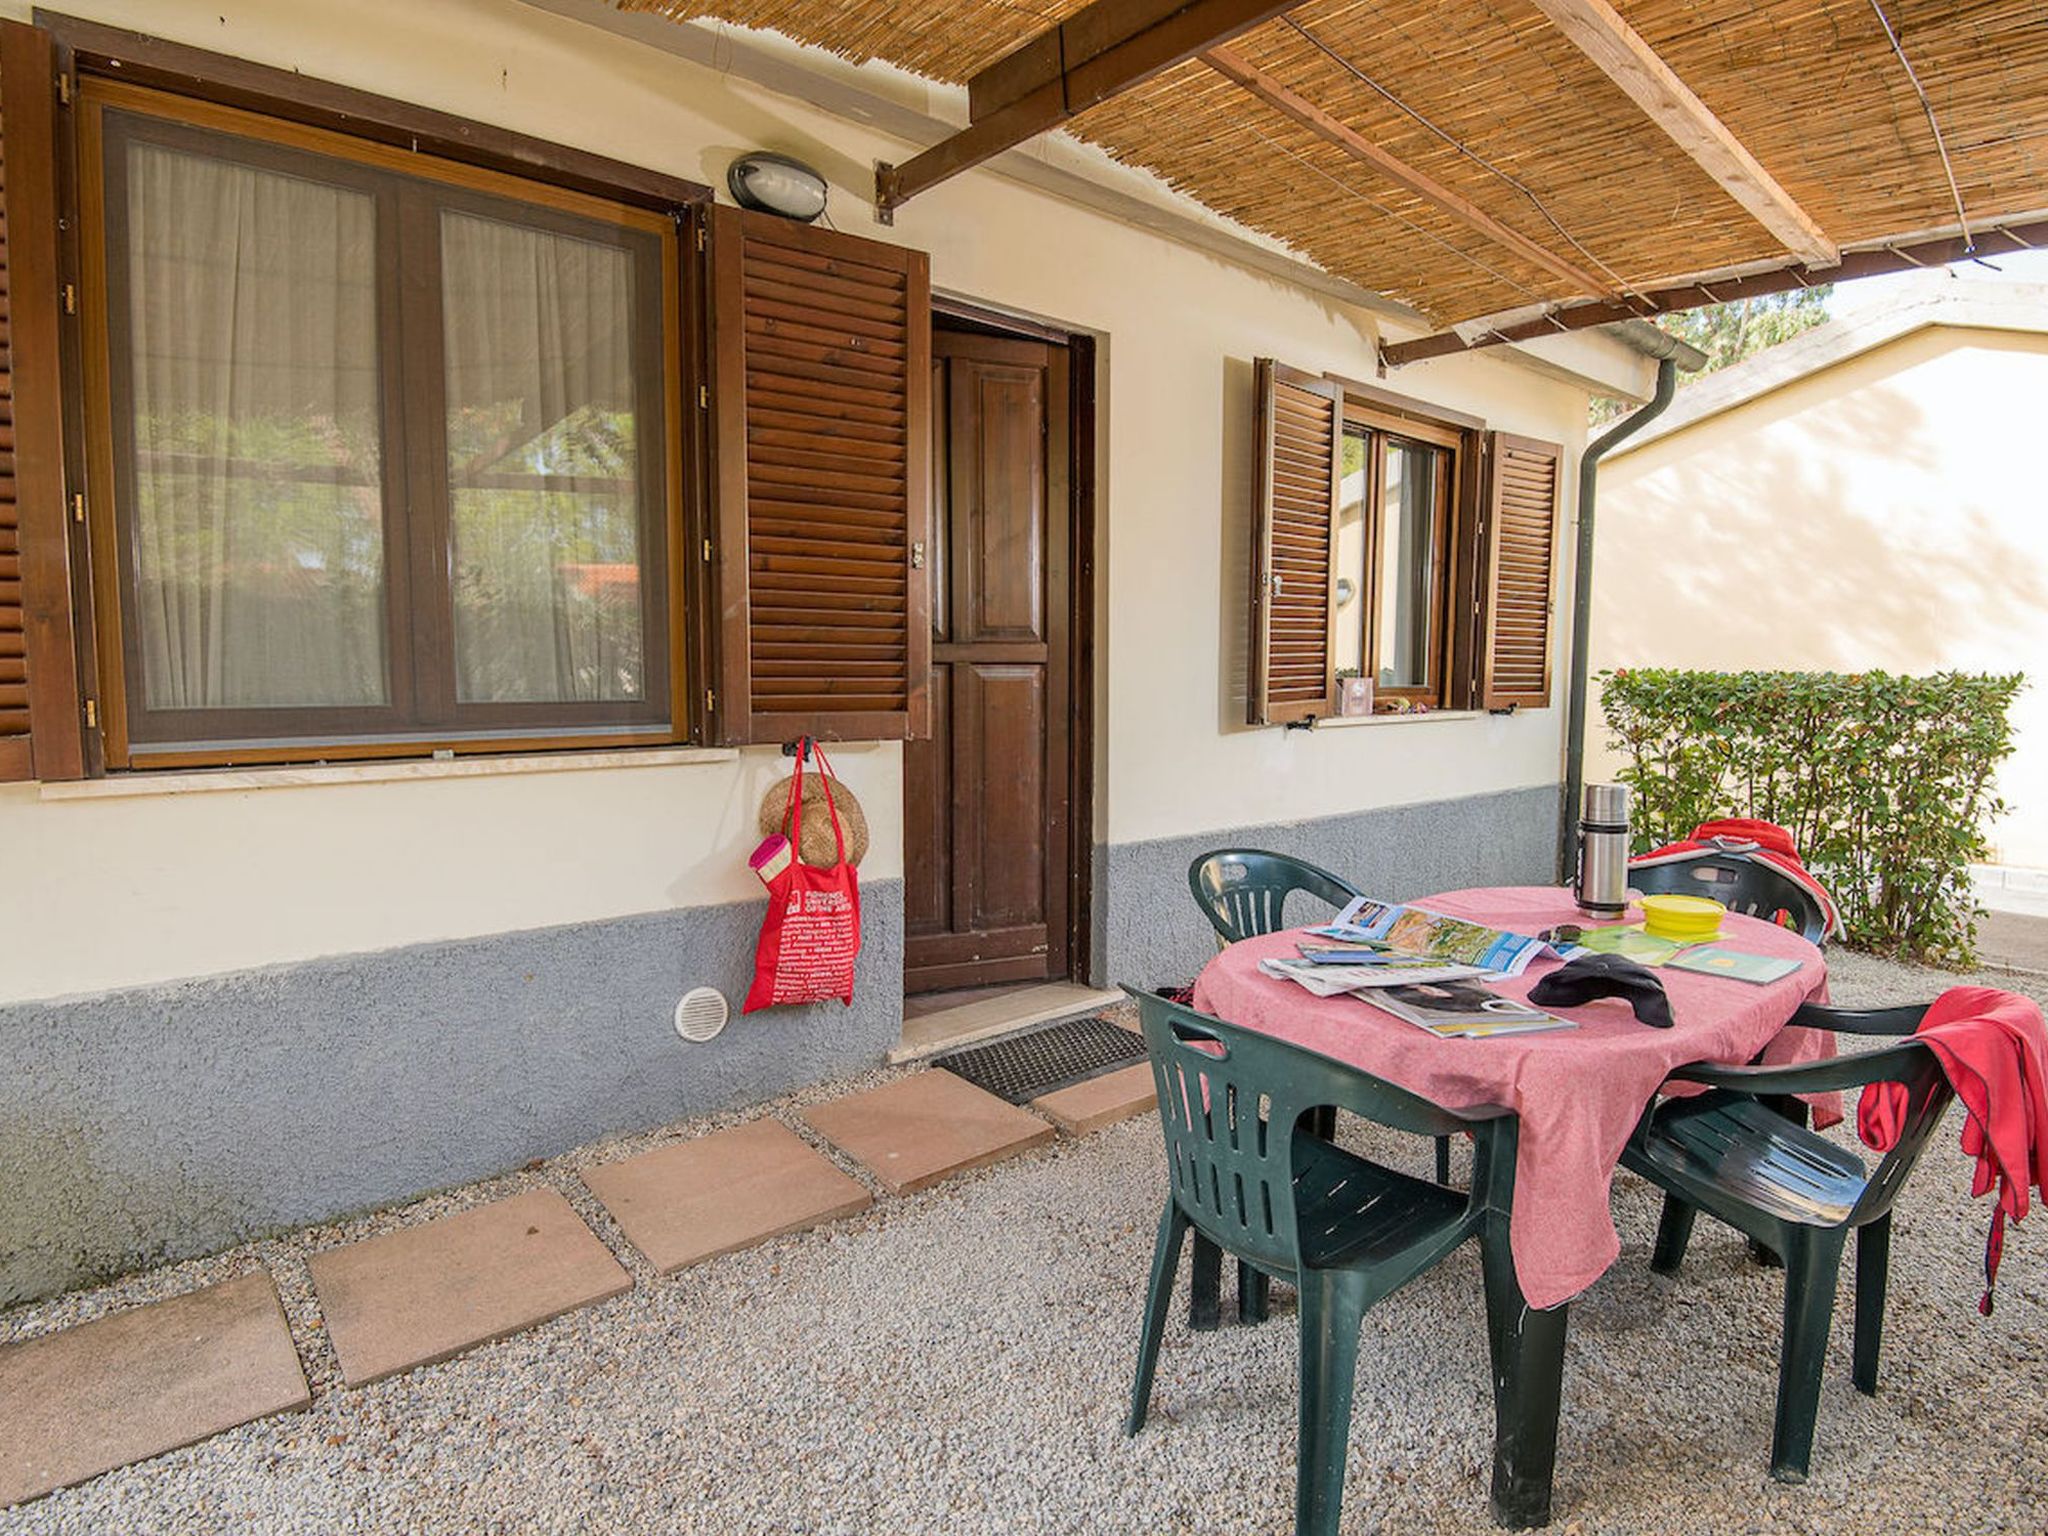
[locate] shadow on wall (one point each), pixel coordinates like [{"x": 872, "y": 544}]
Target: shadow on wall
[{"x": 1724, "y": 570}]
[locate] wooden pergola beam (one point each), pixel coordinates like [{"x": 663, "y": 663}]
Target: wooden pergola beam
[
  {"x": 1100, "y": 51},
  {"x": 1305, "y": 112},
  {"x": 1620, "y": 53},
  {"x": 1877, "y": 261}
]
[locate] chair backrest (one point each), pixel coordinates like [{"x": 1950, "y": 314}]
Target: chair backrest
[
  {"x": 1244, "y": 891},
  {"x": 1744, "y": 885},
  {"x": 1928, "y": 1093},
  {"x": 1230, "y": 1101}
]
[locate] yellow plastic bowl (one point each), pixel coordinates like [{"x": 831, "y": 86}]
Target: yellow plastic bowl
[{"x": 1682, "y": 919}]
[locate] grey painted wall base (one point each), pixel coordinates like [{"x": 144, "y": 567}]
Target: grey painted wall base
[
  {"x": 160, "y": 1123},
  {"x": 1152, "y": 935}
]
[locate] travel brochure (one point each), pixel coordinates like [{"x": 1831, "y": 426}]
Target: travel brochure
[
  {"x": 1430, "y": 970},
  {"x": 1414, "y": 931}
]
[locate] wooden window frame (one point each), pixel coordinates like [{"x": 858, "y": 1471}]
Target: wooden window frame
[
  {"x": 1382, "y": 419},
  {"x": 469, "y": 161}
]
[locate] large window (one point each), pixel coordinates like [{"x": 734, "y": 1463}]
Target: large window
[
  {"x": 384, "y": 448},
  {"x": 1394, "y": 508}
]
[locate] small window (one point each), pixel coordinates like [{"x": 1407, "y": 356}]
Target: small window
[
  {"x": 384, "y": 444},
  {"x": 1393, "y": 544}
]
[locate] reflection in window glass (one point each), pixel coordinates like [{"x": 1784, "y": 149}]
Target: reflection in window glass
[
  {"x": 1407, "y": 574},
  {"x": 257, "y": 503},
  {"x": 1351, "y": 547},
  {"x": 543, "y": 475}
]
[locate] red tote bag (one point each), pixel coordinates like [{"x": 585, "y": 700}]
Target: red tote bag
[{"x": 812, "y": 931}]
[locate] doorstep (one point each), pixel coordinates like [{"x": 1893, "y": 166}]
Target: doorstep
[{"x": 997, "y": 1012}]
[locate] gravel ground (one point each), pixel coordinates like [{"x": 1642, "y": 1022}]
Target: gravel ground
[{"x": 957, "y": 1362}]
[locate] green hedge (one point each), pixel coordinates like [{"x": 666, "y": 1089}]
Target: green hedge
[{"x": 1886, "y": 782}]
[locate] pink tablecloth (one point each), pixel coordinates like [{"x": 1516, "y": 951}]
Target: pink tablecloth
[{"x": 1578, "y": 1092}]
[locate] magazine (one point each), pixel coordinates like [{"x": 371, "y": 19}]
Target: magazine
[
  {"x": 1414, "y": 931},
  {"x": 1331, "y": 980},
  {"x": 1463, "y": 1009}
]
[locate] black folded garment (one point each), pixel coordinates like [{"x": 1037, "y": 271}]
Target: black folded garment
[{"x": 1590, "y": 976}]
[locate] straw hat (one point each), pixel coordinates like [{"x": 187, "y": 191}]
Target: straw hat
[{"x": 816, "y": 845}]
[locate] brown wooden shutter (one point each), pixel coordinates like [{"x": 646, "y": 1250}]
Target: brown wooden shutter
[
  {"x": 1300, "y": 433},
  {"x": 822, "y": 441},
  {"x": 1519, "y": 570},
  {"x": 40, "y": 724}
]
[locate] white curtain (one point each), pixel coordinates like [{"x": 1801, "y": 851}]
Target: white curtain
[
  {"x": 258, "y": 507},
  {"x": 543, "y": 473}
]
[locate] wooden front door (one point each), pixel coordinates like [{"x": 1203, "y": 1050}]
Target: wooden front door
[{"x": 985, "y": 818}]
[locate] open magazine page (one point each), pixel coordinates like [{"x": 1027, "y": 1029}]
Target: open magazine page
[
  {"x": 1414, "y": 931},
  {"x": 1329, "y": 980}
]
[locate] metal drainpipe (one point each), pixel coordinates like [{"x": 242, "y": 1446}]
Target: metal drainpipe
[{"x": 1582, "y": 603}]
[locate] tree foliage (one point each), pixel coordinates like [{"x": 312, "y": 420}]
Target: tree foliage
[{"x": 1734, "y": 332}]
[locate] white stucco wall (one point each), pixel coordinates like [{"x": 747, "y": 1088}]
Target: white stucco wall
[
  {"x": 187, "y": 884},
  {"x": 1888, "y": 512}
]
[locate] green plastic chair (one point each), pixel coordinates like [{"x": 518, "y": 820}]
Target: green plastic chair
[
  {"x": 1243, "y": 892},
  {"x": 1247, "y": 1175},
  {"x": 1730, "y": 1153}
]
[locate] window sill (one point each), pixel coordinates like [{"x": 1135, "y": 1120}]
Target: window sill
[
  {"x": 208, "y": 780},
  {"x": 1330, "y": 722}
]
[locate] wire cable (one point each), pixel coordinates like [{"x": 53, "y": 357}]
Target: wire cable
[{"x": 1934, "y": 123}]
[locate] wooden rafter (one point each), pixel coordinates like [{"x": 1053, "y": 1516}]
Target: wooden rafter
[
  {"x": 1876, "y": 262},
  {"x": 1101, "y": 50},
  {"x": 1316, "y": 120},
  {"x": 1624, "y": 57}
]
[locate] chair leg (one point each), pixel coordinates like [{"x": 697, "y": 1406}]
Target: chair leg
[
  {"x": 1205, "y": 1286},
  {"x": 1254, "y": 1291},
  {"x": 1674, "y": 1231},
  {"x": 1527, "y": 1349},
  {"x": 1332, "y": 1309},
  {"x": 1173, "y": 1227},
  {"x": 1443, "y": 1159},
  {"x": 1813, "y": 1262},
  {"x": 1873, "y": 1268}
]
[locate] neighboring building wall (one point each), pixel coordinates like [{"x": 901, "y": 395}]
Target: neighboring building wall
[
  {"x": 414, "y": 978},
  {"x": 1886, "y": 512}
]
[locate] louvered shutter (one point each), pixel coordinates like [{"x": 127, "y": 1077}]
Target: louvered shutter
[
  {"x": 1519, "y": 571},
  {"x": 40, "y": 732},
  {"x": 1300, "y": 430},
  {"x": 822, "y": 440}
]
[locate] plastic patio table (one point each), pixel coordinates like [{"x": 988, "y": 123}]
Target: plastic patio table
[{"x": 1578, "y": 1094}]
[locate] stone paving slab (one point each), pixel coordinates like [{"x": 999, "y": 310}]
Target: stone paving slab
[
  {"x": 1095, "y": 1102},
  {"x": 141, "y": 1382},
  {"x": 428, "y": 1292},
  {"x": 686, "y": 1203},
  {"x": 917, "y": 1130}
]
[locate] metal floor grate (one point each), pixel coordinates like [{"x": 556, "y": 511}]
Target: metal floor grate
[{"x": 1028, "y": 1065}]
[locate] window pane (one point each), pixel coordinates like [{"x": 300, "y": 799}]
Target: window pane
[
  {"x": 543, "y": 471},
  {"x": 258, "y": 502},
  {"x": 1351, "y": 529},
  {"x": 1407, "y": 574}
]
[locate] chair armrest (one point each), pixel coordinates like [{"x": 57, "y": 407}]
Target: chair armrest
[
  {"x": 1902, "y": 1020},
  {"x": 1886, "y": 1064}
]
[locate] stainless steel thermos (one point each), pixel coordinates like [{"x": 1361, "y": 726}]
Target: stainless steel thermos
[{"x": 1602, "y": 886}]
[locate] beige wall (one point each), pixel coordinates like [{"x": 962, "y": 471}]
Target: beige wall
[
  {"x": 187, "y": 884},
  {"x": 1887, "y": 512}
]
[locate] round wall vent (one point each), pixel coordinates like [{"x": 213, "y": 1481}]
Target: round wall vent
[{"x": 701, "y": 1014}]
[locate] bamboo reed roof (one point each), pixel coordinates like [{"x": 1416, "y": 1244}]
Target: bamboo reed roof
[{"x": 1490, "y": 99}]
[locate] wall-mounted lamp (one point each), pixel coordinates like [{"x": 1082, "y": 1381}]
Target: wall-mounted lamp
[{"x": 772, "y": 183}]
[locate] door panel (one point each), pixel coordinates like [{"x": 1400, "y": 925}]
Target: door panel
[{"x": 986, "y": 819}]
